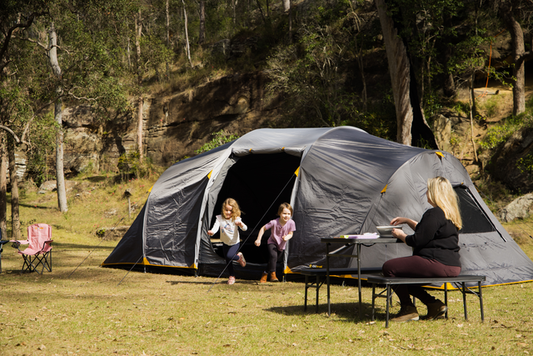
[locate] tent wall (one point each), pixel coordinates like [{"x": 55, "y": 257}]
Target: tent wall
[
  {"x": 165, "y": 230},
  {"x": 341, "y": 177}
]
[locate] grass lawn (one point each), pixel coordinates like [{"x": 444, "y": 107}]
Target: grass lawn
[{"x": 89, "y": 310}]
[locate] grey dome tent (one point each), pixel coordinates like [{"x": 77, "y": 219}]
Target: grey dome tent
[{"x": 339, "y": 181}]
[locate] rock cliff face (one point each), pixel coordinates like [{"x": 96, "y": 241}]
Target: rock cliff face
[
  {"x": 512, "y": 163},
  {"x": 175, "y": 123}
]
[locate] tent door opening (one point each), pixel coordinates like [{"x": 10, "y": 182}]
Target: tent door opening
[{"x": 259, "y": 183}]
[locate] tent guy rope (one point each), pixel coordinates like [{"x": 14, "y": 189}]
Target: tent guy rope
[{"x": 71, "y": 273}]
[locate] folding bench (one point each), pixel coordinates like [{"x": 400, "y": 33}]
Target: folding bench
[
  {"x": 462, "y": 280},
  {"x": 320, "y": 275}
]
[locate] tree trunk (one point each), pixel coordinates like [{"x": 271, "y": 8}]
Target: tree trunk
[
  {"x": 400, "y": 74},
  {"x": 186, "y": 33},
  {"x": 234, "y": 12},
  {"x": 3, "y": 184},
  {"x": 167, "y": 28},
  {"x": 140, "y": 126},
  {"x": 287, "y": 10},
  {"x": 201, "y": 35},
  {"x": 472, "y": 102},
  {"x": 519, "y": 72},
  {"x": 138, "y": 32},
  {"x": 15, "y": 216},
  {"x": 58, "y": 114},
  {"x": 260, "y": 10}
]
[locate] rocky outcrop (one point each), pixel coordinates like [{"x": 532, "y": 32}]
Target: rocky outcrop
[
  {"x": 176, "y": 123},
  {"x": 519, "y": 208}
]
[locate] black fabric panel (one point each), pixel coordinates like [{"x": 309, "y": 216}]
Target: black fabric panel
[
  {"x": 130, "y": 248},
  {"x": 474, "y": 219}
]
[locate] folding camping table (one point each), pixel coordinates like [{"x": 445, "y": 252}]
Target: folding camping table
[{"x": 348, "y": 243}]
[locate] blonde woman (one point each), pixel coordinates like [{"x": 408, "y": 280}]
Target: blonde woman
[{"x": 435, "y": 246}]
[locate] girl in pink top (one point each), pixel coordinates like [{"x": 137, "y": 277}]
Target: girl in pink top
[{"x": 281, "y": 232}]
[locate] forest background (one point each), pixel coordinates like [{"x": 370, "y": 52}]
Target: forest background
[{"x": 408, "y": 71}]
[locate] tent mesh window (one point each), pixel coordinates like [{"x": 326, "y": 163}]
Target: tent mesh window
[{"x": 474, "y": 218}]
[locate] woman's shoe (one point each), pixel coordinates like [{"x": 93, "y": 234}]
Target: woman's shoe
[
  {"x": 273, "y": 277},
  {"x": 231, "y": 280},
  {"x": 407, "y": 313},
  {"x": 435, "y": 310}
]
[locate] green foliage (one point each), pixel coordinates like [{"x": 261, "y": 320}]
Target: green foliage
[
  {"x": 490, "y": 106},
  {"x": 43, "y": 138},
  {"x": 525, "y": 164},
  {"x": 309, "y": 73},
  {"x": 221, "y": 137},
  {"x": 128, "y": 163},
  {"x": 500, "y": 133},
  {"x": 130, "y": 166},
  {"x": 529, "y": 104},
  {"x": 461, "y": 107},
  {"x": 432, "y": 105}
]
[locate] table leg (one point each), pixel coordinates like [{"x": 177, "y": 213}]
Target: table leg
[
  {"x": 480, "y": 301},
  {"x": 359, "y": 277},
  {"x": 327, "y": 276},
  {"x": 306, "y": 286},
  {"x": 387, "y": 306},
  {"x": 464, "y": 299}
]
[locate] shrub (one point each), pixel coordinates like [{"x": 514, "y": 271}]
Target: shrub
[{"x": 221, "y": 137}]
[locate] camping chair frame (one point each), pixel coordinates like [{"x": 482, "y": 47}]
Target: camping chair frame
[{"x": 36, "y": 256}]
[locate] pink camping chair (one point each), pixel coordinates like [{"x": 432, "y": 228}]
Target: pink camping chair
[{"x": 39, "y": 251}]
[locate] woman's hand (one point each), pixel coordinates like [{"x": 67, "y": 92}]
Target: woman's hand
[
  {"x": 399, "y": 234},
  {"x": 257, "y": 242},
  {"x": 400, "y": 220},
  {"x": 397, "y": 221}
]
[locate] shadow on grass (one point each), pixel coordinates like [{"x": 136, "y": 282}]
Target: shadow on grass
[
  {"x": 96, "y": 179},
  {"x": 349, "y": 312},
  {"x": 68, "y": 246},
  {"x": 38, "y": 207},
  {"x": 220, "y": 281}
]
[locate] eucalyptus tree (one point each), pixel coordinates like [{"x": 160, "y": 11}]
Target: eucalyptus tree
[
  {"x": 516, "y": 14},
  {"x": 77, "y": 40},
  {"x": 15, "y": 19},
  {"x": 422, "y": 39}
]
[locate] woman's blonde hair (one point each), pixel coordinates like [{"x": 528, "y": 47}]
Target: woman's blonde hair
[
  {"x": 441, "y": 194},
  {"x": 236, "y": 211},
  {"x": 284, "y": 206}
]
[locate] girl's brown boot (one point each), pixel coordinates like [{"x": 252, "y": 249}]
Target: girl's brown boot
[
  {"x": 273, "y": 277},
  {"x": 263, "y": 277}
]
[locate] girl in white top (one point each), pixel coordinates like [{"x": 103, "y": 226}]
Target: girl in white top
[{"x": 229, "y": 223}]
